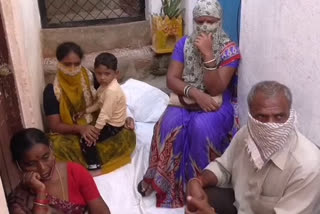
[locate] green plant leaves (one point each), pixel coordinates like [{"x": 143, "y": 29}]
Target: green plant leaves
[{"x": 171, "y": 8}]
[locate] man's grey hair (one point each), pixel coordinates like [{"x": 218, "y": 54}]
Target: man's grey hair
[{"x": 270, "y": 89}]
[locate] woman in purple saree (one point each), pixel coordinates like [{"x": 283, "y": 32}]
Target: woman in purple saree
[{"x": 202, "y": 117}]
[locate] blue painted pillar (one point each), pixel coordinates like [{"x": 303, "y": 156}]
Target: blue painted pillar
[{"x": 231, "y": 18}]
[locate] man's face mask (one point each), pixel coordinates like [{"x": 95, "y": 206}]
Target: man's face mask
[{"x": 268, "y": 138}]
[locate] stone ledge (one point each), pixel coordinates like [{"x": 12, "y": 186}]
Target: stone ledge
[{"x": 131, "y": 35}]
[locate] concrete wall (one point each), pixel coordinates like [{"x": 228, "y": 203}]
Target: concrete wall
[
  {"x": 102, "y": 37},
  {"x": 106, "y": 37},
  {"x": 189, "y": 5},
  {"x": 153, "y": 7},
  {"x": 98, "y": 38},
  {"x": 279, "y": 41},
  {"x": 22, "y": 25}
]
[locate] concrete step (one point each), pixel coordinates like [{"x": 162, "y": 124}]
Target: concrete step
[{"x": 141, "y": 64}]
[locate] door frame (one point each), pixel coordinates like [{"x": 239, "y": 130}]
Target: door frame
[
  {"x": 3, "y": 201},
  {"x": 13, "y": 21},
  {"x": 10, "y": 116}
]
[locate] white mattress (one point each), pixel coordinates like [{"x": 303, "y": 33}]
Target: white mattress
[{"x": 119, "y": 188}]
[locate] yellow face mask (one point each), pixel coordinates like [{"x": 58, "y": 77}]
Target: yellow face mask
[{"x": 69, "y": 70}]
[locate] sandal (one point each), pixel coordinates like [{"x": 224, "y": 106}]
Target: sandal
[
  {"x": 92, "y": 167},
  {"x": 144, "y": 191}
]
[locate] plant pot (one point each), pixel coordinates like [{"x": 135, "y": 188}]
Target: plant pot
[{"x": 165, "y": 33}]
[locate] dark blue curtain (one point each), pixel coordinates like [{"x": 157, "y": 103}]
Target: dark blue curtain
[{"x": 231, "y": 18}]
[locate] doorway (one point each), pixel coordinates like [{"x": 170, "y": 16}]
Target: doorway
[{"x": 10, "y": 119}]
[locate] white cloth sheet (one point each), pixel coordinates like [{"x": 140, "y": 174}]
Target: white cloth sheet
[{"x": 119, "y": 188}]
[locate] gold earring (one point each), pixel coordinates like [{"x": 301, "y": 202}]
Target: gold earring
[{"x": 18, "y": 166}]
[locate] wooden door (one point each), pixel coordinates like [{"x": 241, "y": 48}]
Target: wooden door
[{"x": 10, "y": 120}]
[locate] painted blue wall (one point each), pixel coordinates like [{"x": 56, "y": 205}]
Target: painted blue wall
[{"x": 231, "y": 18}]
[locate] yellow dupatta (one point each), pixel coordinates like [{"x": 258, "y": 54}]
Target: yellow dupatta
[{"x": 74, "y": 93}]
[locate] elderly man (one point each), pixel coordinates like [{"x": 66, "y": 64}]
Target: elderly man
[{"x": 270, "y": 165}]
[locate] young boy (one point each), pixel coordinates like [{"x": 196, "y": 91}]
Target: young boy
[{"x": 111, "y": 102}]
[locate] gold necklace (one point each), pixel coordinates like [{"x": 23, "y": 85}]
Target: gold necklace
[{"x": 63, "y": 193}]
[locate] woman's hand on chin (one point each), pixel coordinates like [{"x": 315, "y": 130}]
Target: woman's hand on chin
[
  {"x": 129, "y": 124},
  {"x": 204, "y": 44},
  {"x": 32, "y": 180}
]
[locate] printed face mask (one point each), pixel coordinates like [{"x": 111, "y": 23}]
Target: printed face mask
[
  {"x": 266, "y": 139},
  {"x": 69, "y": 70},
  {"x": 207, "y": 28}
]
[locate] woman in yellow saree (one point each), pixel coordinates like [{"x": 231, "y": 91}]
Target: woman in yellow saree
[{"x": 72, "y": 91}]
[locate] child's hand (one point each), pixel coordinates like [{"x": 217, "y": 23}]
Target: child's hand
[{"x": 129, "y": 124}]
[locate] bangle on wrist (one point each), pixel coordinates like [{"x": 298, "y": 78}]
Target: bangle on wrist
[
  {"x": 41, "y": 198},
  {"x": 209, "y": 61},
  {"x": 186, "y": 90},
  {"x": 196, "y": 179},
  {"x": 40, "y": 204},
  {"x": 44, "y": 201},
  {"x": 210, "y": 68}
]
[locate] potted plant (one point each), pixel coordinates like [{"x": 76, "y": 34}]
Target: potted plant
[{"x": 167, "y": 28}]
